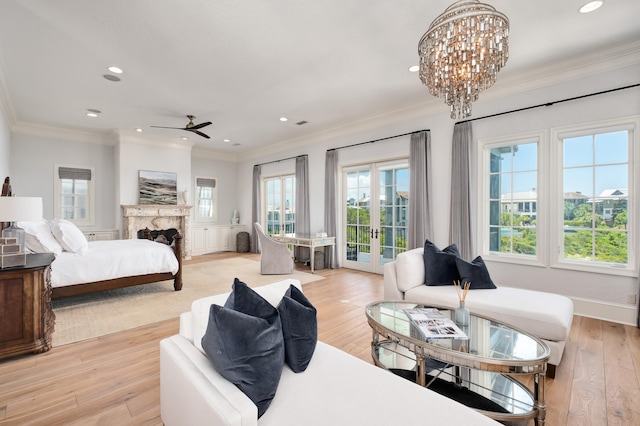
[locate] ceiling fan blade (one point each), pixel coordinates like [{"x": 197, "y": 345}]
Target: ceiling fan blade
[
  {"x": 163, "y": 127},
  {"x": 198, "y": 132},
  {"x": 200, "y": 126}
]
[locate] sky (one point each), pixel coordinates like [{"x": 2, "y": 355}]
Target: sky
[{"x": 592, "y": 164}]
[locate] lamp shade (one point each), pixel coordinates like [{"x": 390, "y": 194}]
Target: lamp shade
[{"x": 14, "y": 209}]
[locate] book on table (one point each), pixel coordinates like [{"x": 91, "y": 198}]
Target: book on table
[{"x": 433, "y": 325}]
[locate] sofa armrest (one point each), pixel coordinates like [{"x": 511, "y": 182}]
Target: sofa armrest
[
  {"x": 391, "y": 291},
  {"x": 193, "y": 393},
  {"x": 186, "y": 326}
]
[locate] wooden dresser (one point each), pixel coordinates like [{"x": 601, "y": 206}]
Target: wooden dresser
[{"x": 26, "y": 318}]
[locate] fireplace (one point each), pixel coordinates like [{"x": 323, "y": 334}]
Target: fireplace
[{"x": 156, "y": 218}]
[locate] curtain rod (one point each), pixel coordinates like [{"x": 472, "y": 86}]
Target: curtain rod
[
  {"x": 277, "y": 161},
  {"x": 550, "y": 103},
  {"x": 377, "y": 140}
]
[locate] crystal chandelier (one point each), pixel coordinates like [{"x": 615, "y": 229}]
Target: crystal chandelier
[{"x": 462, "y": 52}]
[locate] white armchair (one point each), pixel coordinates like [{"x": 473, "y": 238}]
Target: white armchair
[{"x": 275, "y": 256}]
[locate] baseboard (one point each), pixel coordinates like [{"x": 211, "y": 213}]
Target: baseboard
[{"x": 605, "y": 311}]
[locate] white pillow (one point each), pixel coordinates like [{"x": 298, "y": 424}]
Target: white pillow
[
  {"x": 38, "y": 237},
  {"x": 69, "y": 236}
]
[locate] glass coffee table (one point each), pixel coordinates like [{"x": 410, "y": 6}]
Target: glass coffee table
[{"x": 477, "y": 371}]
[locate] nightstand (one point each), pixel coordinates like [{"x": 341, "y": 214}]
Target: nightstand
[{"x": 26, "y": 317}]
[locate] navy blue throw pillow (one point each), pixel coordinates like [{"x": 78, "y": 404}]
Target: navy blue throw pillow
[
  {"x": 476, "y": 273},
  {"x": 440, "y": 265},
  {"x": 245, "y": 345},
  {"x": 299, "y": 327}
]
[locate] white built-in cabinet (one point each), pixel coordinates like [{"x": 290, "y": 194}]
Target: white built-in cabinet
[
  {"x": 101, "y": 235},
  {"x": 214, "y": 238}
]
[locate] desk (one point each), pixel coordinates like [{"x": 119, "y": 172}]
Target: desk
[{"x": 307, "y": 240}]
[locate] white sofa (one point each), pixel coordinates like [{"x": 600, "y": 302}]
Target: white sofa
[
  {"x": 547, "y": 316},
  {"x": 335, "y": 389}
]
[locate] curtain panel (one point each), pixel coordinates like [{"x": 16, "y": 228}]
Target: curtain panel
[
  {"x": 420, "y": 222},
  {"x": 255, "y": 206},
  {"x": 331, "y": 207},
  {"x": 460, "y": 228},
  {"x": 302, "y": 218}
]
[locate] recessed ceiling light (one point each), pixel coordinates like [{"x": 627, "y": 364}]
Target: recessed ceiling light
[
  {"x": 92, "y": 114},
  {"x": 414, "y": 68},
  {"x": 227, "y": 140},
  {"x": 283, "y": 119},
  {"x": 184, "y": 138},
  {"x": 111, "y": 77},
  {"x": 590, "y": 6},
  {"x": 115, "y": 70},
  {"x": 139, "y": 130}
]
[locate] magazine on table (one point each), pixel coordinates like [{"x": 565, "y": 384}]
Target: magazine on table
[{"x": 433, "y": 325}]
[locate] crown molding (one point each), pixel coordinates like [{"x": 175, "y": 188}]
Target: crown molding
[
  {"x": 213, "y": 155},
  {"x": 32, "y": 129},
  {"x": 131, "y": 136}
]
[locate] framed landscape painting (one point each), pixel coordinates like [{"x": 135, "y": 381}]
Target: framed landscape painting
[{"x": 158, "y": 188}]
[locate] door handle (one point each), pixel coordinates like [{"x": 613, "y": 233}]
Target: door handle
[{"x": 376, "y": 234}]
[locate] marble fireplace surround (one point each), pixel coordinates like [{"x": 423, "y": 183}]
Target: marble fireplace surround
[{"x": 158, "y": 217}]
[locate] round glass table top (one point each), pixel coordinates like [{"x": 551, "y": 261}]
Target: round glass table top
[{"x": 483, "y": 337}]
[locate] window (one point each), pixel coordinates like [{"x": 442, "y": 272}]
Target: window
[
  {"x": 280, "y": 204},
  {"x": 206, "y": 199},
  {"x": 595, "y": 169},
  {"x": 73, "y": 194},
  {"x": 513, "y": 196},
  {"x": 567, "y": 201}
]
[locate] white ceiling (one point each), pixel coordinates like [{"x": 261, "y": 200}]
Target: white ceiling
[{"x": 243, "y": 64}]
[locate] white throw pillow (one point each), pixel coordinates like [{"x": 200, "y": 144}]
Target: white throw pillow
[
  {"x": 69, "y": 236},
  {"x": 38, "y": 237}
]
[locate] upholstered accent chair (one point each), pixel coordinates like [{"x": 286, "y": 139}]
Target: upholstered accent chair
[{"x": 275, "y": 257}]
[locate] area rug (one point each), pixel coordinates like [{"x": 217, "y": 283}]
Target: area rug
[{"x": 92, "y": 315}]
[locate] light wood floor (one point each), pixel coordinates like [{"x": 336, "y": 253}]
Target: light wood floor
[{"x": 114, "y": 379}]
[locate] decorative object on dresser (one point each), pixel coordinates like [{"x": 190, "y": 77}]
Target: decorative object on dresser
[
  {"x": 27, "y": 320},
  {"x": 13, "y": 209}
]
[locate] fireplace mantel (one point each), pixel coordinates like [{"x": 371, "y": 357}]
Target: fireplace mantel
[{"x": 158, "y": 217}]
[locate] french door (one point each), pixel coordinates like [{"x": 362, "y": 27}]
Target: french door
[{"x": 375, "y": 214}]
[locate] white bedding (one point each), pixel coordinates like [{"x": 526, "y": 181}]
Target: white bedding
[{"x": 106, "y": 260}]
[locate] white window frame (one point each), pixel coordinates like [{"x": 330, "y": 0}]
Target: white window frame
[
  {"x": 214, "y": 198},
  {"x": 57, "y": 196},
  {"x": 483, "y": 168},
  {"x": 631, "y": 124}
]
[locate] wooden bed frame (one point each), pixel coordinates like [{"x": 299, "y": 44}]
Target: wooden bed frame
[{"x": 77, "y": 289}]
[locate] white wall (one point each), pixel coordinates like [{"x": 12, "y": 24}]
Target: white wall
[
  {"x": 5, "y": 147},
  {"x": 33, "y": 159},
  {"x": 225, "y": 173}
]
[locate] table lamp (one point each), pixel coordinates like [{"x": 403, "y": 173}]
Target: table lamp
[{"x": 14, "y": 209}]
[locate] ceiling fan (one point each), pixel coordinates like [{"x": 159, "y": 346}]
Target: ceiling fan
[{"x": 190, "y": 127}]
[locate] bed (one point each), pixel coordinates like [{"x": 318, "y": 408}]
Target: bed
[{"x": 83, "y": 266}]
